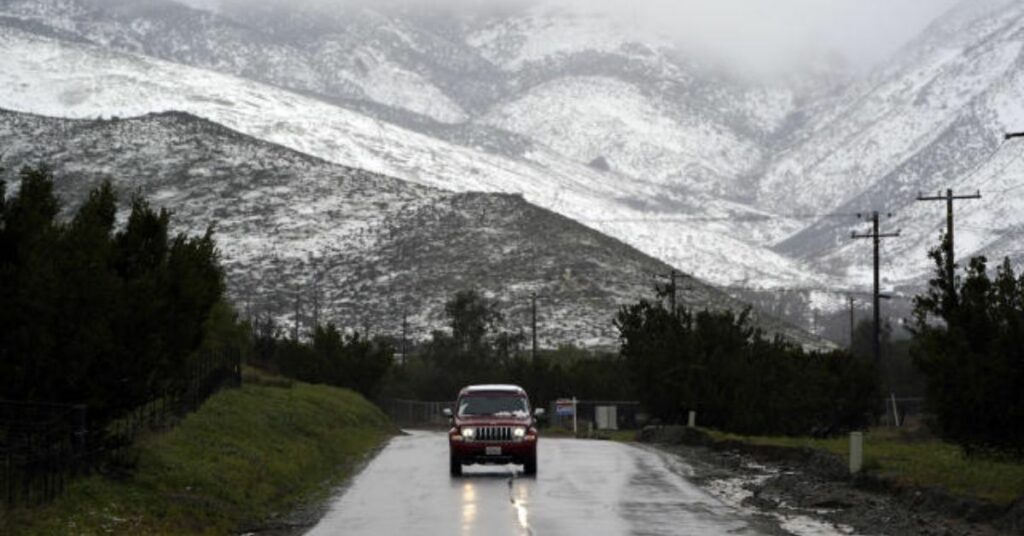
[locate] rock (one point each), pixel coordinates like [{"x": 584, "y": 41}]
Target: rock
[
  {"x": 601, "y": 164},
  {"x": 759, "y": 502},
  {"x": 830, "y": 502},
  {"x": 1013, "y": 520}
]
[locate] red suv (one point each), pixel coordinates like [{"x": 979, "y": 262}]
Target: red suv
[{"x": 493, "y": 424}]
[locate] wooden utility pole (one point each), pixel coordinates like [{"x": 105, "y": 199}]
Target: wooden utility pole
[
  {"x": 852, "y": 319},
  {"x": 949, "y": 198},
  {"x": 533, "y": 308},
  {"x": 672, "y": 296},
  {"x": 316, "y": 304},
  {"x": 405, "y": 337},
  {"x": 671, "y": 290},
  {"x": 876, "y": 236},
  {"x": 298, "y": 306}
]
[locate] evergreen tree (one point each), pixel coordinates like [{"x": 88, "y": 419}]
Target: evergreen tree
[
  {"x": 969, "y": 342},
  {"x": 95, "y": 315}
]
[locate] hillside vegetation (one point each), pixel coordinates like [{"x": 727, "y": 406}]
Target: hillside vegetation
[{"x": 247, "y": 458}]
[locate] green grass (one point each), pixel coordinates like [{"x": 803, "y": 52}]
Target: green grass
[
  {"x": 918, "y": 461},
  {"x": 247, "y": 455}
]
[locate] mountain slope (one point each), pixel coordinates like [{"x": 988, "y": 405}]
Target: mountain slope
[
  {"x": 40, "y": 74},
  {"x": 933, "y": 119},
  {"x": 368, "y": 248}
]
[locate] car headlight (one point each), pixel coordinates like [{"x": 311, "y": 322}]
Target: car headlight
[
  {"x": 469, "y": 433},
  {"x": 519, "y": 433}
]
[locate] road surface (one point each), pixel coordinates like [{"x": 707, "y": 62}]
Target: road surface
[{"x": 582, "y": 488}]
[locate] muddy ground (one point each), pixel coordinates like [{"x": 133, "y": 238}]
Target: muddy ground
[{"x": 806, "y": 483}]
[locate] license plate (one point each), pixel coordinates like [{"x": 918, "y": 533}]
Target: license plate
[{"x": 493, "y": 451}]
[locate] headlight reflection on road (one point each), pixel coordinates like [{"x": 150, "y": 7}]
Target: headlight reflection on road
[
  {"x": 468, "y": 507},
  {"x": 520, "y": 499}
]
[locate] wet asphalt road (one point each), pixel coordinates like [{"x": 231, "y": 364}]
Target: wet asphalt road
[{"x": 582, "y": 488}]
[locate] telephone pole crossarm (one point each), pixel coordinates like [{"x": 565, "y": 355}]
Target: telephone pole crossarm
[
  {"x": 942, "y": 197},
  {"x": 1012, "y": 135},
  {"x": 949, "y": 198},
  {"x": 897, "y": 234}
]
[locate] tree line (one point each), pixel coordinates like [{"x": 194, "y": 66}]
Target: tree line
[
  {"x": 714, "y": 363},
  {"x": 736, "y": 378},
  {"x": 474, "y": 349},
  {"x": 96, "y": 313}
]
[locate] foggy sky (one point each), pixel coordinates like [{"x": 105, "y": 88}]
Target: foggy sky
[{"x": 762, "y": 35}]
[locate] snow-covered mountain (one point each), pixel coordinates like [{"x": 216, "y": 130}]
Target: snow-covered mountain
[
  {"x": 43, "y": 74},
  {"x": 368, "y": 249},
  {"x": 932, "y": 119},
  {"x": 743, "y": 183}
]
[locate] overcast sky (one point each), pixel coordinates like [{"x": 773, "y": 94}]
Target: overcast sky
[
  {"x": 783, "y": 32},
  {"x": 765, "y": 34}
]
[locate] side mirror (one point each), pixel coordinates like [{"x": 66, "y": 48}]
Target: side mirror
[
  {"x": 447, "y": 412},
  {"x": 538, "y": 412}
]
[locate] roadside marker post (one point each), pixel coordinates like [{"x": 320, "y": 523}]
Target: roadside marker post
[
  {"x": 574, "y": 412},
  {"x": 856, "y": 452},
  {"x": 692, "y": 419}
]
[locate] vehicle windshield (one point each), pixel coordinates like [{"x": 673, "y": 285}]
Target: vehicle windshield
[{"x": 494, "y": 406}]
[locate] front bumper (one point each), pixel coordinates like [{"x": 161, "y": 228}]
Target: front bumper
[{"x": 471, "y": 452}]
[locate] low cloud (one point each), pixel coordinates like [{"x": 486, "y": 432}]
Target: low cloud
[{"x": 761, "y": 35}]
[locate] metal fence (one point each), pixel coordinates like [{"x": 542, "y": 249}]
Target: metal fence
[
  {"x": 44, "y": 445},
  {"x": 37, "y": 447},
  {"x": 417, "y": 413}
]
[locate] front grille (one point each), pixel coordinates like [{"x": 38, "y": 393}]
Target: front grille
[{"x": 494, "y": 433}]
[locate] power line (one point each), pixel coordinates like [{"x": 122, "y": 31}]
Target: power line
[
  {"x": 823, "y": 290},
  {"x": 981, "y": 165},
  {"x": 775, "y": 289},
  {"x": 711, "y": 219}
]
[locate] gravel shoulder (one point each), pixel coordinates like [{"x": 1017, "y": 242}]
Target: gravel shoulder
[{"x": 810, "y": 491}]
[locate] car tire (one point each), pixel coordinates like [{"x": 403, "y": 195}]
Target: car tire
[
  {"x": 530, "y": 465},
  {"x": 455, "y": 466}
]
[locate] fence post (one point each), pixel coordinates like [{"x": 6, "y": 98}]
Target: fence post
[
  {"x": 9, "y": 479},
  {"x": 856, "y": 452}
]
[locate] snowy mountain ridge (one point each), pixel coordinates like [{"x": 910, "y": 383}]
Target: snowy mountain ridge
[{"x": 743, "y": 184}]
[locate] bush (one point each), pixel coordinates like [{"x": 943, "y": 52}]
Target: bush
[{"x": 330, "y": 358}]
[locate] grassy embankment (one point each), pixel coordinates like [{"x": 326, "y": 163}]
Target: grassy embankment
[
  {"x": 248, "y": 455},
  {"x": 917, "y": 461}
]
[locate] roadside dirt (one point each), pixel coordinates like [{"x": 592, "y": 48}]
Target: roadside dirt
[{"x": 796, "y": 483}]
